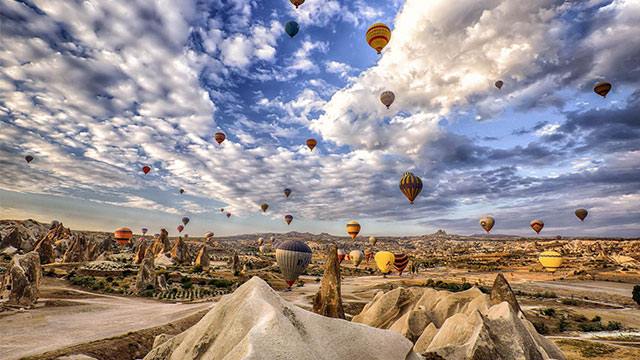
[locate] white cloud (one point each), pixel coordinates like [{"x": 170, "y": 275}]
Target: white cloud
[{"x": 336, "y": 67}]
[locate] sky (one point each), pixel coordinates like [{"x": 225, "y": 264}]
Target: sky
[{"x": 95, "y": 90}]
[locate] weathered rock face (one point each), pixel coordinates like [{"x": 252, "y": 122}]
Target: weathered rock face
[
  {"x": 202, "y": 259},
  {"x": 22, "y": 281},
  {"x": 254, "y": 323},
  {"x": 161, "y": 244},
  {"x": 12, "y": 239},
  {"x": 80, "y": 250},
  {"x": 180, "y": 252},
  {"x": 236, "y": 266},
  {"x": 140, "y": 253},
  {"x": 464, "y": 325},
  {"x": 146, "y": 275},
  {"x": 328, "y": 300},
  {"x": 501, "y": 291},
  {"x": 45, "y": 246}
]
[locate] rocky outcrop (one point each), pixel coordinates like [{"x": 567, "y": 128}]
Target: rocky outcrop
[
  {"x": 328, "y": 300},
  {"x": 236, "y": 265},
  {"x": 464, "y": 325},
  {"x": 180, "y": 252},
  {"x": 146, "y": 278},
  {"x": 254, "y": 322},
  {"x": 140, "y": 253},
  {"x": 22, "y": 281},
  {"x": 13, "y": 239},
  {"x": 501, "y": 291},
  {"x": 80, "y": 250},
  {"x": 202, "y": 259},
  {"x": 161, "y": 243},
  {"x": 45, "y": 247}
]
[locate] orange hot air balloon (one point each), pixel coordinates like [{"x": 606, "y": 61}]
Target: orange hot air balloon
[
  {"x": 378, "y": 36},
  {"x": 353, "y": 228},
  {"x": 219, "y": 136},
  {"x": 146, "y": 169},
  {"x": 582, "y": 214},
  {"x": 411, "y": 186},
  {"x": 311, "y": 143},
  {"x": 288, "y": 219},
  {"x": 123, "y": 235},
  {"x": 537, "y": 225},
  {"x": 602, "y": 88}
]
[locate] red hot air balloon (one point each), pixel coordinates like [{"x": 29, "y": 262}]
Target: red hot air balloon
[
  {"x": 311, "y": 143},
  {"x": 180, "y": 228},
  {"x": 146, "y": 169},
  {"x": 341, "y": 255},
  {"x": 400, "y": 262},
  {"x": 220, "y": 137}
]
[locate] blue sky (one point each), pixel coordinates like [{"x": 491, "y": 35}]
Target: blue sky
[{"x": 95, "y": 90}]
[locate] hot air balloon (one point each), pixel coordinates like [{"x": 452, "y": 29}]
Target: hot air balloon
[
  {"x": 582, "y": 214},
  {"x": 180, "y": 228},
  {"x": 185, "y": 220},
  {"x": 311, "y": 143},
  {"x": 264, "y": 207},
  {"x": 262, "y": 249},
  {"x": 378, "y": 36},
  {"x": 384, "y": 261},
  {"x": 260, "y": 241},
  {"x": 288, "y": 219},
  {"x": 297, "y": 2},
  {"x": 387, "y": 98},
  {"x": 353, "y": 228},
  {"x": 292, "y": 257},
  {"x": 228, "y": 215},
  {"x": 372, "y": 240},
  {"x": 551, "y": 260},
  {"x": 287, "y": 192},
  {"x": 144, "y": 231},
  {"x": 292, "y": 28},
  {"x": 219, "y": 137},
  {"x": 28, "y": 158},
  {"x": 602, "y": 88},
  {"x": 487, "y": 223},
  {"x": 537, "y": 225},
  {"x": 400, "y": 262},
  {"x": 221, "y": 209},
  {"x": 499, "y": 84},
  {"x": 181, "y": 191},
  {"x": 411, "y": 186},
  {"x": 123, "y": 235},
  {"x": 356, "y": 257},
  {"x": 368, "y": 255},
  {"x": 341, "y": 255},
  {"x": 146, "y": 169}
]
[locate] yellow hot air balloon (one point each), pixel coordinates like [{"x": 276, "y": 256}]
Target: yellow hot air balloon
[
  {"x": 487, "y": 223},
  {"x": 411, "y": 186},
  {"x": 378, "y": 36},
  {"x": 384, "y": 261},
  {"x": 551, "y": 260},
  {"x": 353, "y": 228}
]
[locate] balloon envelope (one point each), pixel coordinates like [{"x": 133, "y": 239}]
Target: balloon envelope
[
  {"x": 356, "y": 257},
  {"x": 287, "y": 192},
  {"x": 123, "y": 235},
  {"x": 378, "y": 36},
  {"x": 180, "y": 228},
  {"x": 219, "y": 137},
  {"x": 260, "y": 241},
  {"x": 293, "y": 257},
  {"x": 384, "y": 261},
  {"x": 292, "y": 28},
  {"x": 311, "y": 143},
  {"x": 353, "y": 228},
  {"x": 144, "y": 231},
  {"x": 228, "y": 215},
  {"x": 499, "y": 84},
  {"x": 28, "y": 158},
  {"x": 582, "y": 214},
  {"x": 411, "y": 186},
  {"x": 537, "y": 225},
  {"x": 288, "y": 219},
  {"x": 341, "y": 255},
  {"x": 551, "y": 260},
  {"x": 297, "y": 2},
  {"x": 487, "y": 223},
  {"x": 387, "y": 98},
  {"x": 146, "y": 169},
  {"x": 373, "y": 240},
  {"x": 181, "y": 191},
  {"x": 602, "y": 88},
  {"x": 185, "y": 220},
  {"x": 264, "y": 207},
  {"x": 400, "y": 262}
]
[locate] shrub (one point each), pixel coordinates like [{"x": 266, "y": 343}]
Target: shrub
[
  {"x": 222, "y": 283},
  {"x": 187, "y": 285},
  {"x": 563, "y": 325},
  {"x": 551, "y": 312},
  {"x": 636, "y": 294},
  {"x": 197, "y": 268},
  {"x": 541, "y": 328},
  {"x": 613, "y": 326},
  {"x": 596, "y": 318},
  {"x": 571, "y": 302},
  {"x": 591, "y": 326}
]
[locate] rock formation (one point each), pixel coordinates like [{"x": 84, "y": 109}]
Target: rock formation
[
  {"x": 45, "y": 246},
  {"x": 255, "y": 323},
  {"x": 12, "y": 239},
  {"x": 328, "y": 300},
  {"x": 22, "y": 281},
  {"x": 146, "y": 275},
  {"x": 180, "y": 252},
  {"x": 140, "y": 253},
  {"x": 80, "y": 250},
  {"x": 236, "y": 266},
  {"x": 464, "y": 325},
  {"x": 202, "y": 259},
  {"x": 161, "y": 243}
]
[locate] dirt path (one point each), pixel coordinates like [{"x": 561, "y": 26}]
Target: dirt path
[{"x": 89, "y": 318}]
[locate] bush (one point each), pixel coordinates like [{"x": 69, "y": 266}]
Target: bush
[
  {"x": 596, "y": 318},
  {"x": 541, "y": 328},
  {"x": 636, "y": 294},
  {"x": 613, "y": 326},
  {"x": 571, "y": 302},
  {"x": 551, "y": 312},
  {"x": 222, "y": 283},
  {"x": 563, "y": 325},
  {"x": 591, "y": 326},
  {"x": 546, "y": 295},
  {"x": 197, "y": 269},
  {"x": 187, "y": 285}
]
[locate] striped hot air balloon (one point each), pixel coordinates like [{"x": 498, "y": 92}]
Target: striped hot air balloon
[
  {"x": 353, "y": 228},
  {"x": 293, "y": 257},
  {"x": 537, "y": 225},
  {"x": 551, "y": 260},
  {"x": 411, "y": 186},
  {"x": 378, "y": 36},
  {"x": 123, "y": 235},
  {"x": 400, "y": 262}
]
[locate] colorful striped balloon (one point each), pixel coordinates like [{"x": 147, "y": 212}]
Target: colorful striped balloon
[
  {"x": 123, "y": 235},
  {"x": 537, "y": 225},
  {"x": 378, "y": 36},
  {"x": 400, "y": 262},
  {"x": 551, "y": 260},
  {"x": 353, "y": 228},
  {"x": 293, "y": 257},
  {"x": 411, "y": 186}
]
